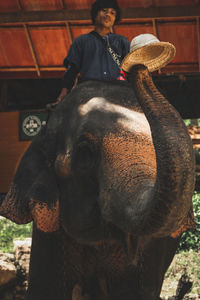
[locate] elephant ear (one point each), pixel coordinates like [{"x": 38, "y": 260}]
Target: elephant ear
[
  {"x": 188, "y": 224},
  {"x": 33, "y": 194}
]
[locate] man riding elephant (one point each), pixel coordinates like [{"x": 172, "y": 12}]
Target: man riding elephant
[
  {"x": 98, "y": 54},
  {"x": 109, "y": 185}
]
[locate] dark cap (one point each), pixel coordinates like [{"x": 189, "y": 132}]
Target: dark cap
[{"x": 100, "y": 4}]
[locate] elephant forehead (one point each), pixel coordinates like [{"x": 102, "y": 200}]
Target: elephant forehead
[{"x": 127, "y": 118}]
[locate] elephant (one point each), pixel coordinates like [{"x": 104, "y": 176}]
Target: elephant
[{"x": 108, "y": 185}]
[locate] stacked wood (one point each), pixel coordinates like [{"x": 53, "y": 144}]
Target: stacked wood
[
  {"x": 194, "y": 132},
  {"x": 14, "y": 271}
]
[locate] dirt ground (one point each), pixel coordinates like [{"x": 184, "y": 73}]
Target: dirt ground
[{"x": 185, "y": 267}]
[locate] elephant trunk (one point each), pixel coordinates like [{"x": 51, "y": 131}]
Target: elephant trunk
[{"x": 167, "y": 204}]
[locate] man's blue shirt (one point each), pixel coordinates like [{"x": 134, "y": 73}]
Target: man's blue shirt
[{"x": 91, "y": 57}]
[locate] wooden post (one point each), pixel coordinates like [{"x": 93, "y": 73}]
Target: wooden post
[
  {"x": 198, "y": 40},
  {"x": 3, "y": 96}
]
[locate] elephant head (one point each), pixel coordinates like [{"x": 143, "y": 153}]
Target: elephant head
[{"x": 114, "y": 158}]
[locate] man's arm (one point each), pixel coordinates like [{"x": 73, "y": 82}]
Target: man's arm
[{"x": 68, "y": 81}]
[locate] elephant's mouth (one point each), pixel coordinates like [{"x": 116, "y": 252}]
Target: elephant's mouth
[
  {"x": 88, "y": 234},
  {"x": 93, "y": 234}
]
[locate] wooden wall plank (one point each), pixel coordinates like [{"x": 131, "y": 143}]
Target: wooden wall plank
[
  {"x": 8, "y": 5},
  {"x": 51, "y": 45},
  {"x": 184, "y": 37},
  {"x": 30, "y": 5},
  {"x": 132, "y": 30},
  {"x": 14, "y": 49},
  {"x": 78, "y": 4},
  {"x": 174, "y": 2},
  {"x": 11, "y": 149},
  {"x": 135, "y": 3},
  {"x": 78, "y": 30}
]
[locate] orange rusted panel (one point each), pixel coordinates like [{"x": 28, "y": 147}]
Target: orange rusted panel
[
  {"x": 14, "y": 48},
  {"x": 131, "y": 30},
  {"x": 9, "y": 6},
  {"x": 78, "y": 4},
  {"x": 174, "y": 2},
  {"x": 11, "y": 149},
  {"x": 184, "y": 37},
  {"x": 78, "y": 30},
  {"x": 41, "y": 4},
  {"x": 51, "y": 44}
]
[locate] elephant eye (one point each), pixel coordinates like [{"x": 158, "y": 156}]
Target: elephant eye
[{"x": 84, "y": 156}]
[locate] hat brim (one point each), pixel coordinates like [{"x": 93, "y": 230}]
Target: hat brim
[{"x": 154, "y": 56}]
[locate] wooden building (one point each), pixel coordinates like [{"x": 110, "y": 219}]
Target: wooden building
[{"x": 35, "y": 36}]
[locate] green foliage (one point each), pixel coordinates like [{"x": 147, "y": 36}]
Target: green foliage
[
  {"x": 187, "y": 122},
  {"x": 191, "y": 238},
  {"x": 10, "y": 231}
]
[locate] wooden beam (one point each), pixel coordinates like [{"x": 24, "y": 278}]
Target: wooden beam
[
  {"x": 31, "y": 69},
  {"x": 32, "y": 49},
  {"x": 170, "y": 69},
  {"x": 69, "y": 32},
  {"x": 155, "y": 29},
  {"x": 82, "y": 15},
  {"x": 63, "y": 3},
  {"x": 44, "y": 16},
  {"x": 39, "y": 27},
  {"x": 180, "y": 68},
  {"x": 161, "y": 12},
  {"x": 19, "y": 4},
  {"x": 198, "y": 40}
]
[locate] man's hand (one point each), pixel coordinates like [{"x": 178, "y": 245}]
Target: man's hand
[{"x": 63, "y": 93}]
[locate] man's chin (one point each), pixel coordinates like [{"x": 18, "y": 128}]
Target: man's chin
[{"x": 107, "y": 25}]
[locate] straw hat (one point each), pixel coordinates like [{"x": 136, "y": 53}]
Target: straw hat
[{"x": 149, "y": 51}]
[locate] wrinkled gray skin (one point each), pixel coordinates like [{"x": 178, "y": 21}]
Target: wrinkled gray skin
[{"x": 107, "y": 184}]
